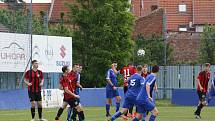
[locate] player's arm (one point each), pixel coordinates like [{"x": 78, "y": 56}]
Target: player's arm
[
  {"x": 79, "y": 85},
  {"x": 156, "y": 87},
  {"x": 26, "y": 79},
  {"x": 41, "y": 79},
  {"x": 198, "y": 81},
  {"x": 70, "y": 93},
  {"x": 60, "y": 87},
  {"x": 109, "y": 81},
  {"x": 148, "y": 91}
]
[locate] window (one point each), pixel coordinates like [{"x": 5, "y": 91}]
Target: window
[
  {"x": 182, "y": 8},
  {"x": 182, "y": 28},
  {"x": 154, "y": 7}
]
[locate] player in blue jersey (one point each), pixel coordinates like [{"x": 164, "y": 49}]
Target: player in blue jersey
[
  {"x": 211, "y": 91},
  {"x": 144, "y": 100},
  {"x": 153, "y": 87},
  {"x": 111, "y": 88},
  {"x": 135, "y": 83}
]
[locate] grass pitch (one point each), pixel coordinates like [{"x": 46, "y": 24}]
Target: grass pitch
[{"x": 167, "y": 112}]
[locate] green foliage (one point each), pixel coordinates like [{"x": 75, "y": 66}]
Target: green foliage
[
  {"x": 18, "y": 21},
  {"x": 207, "y": 49},
  {"x": 154, "y": 51},
  {"x": 102, "y": 34}
]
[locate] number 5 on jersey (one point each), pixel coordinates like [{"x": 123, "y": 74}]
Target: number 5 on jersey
[{"x": 132, "y": 82}]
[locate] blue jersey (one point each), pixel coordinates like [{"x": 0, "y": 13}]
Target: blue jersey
[
  {"x": 135, "y": 83},
  {"x": 150, "y": 80},
  {"x": 143, "y": 96},
  {"x": 112, "y": 77},
  {"x": 213, "y": 83}
]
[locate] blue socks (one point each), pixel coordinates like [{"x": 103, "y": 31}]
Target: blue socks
[
  {"x": 69, "y": 114},
  {"x": 107, "y": 109},
  {"x": 135, "y": 119},
  {"x": 152, "y": 118},
  {"x": 116, "y": 115},
  {"x": 117, "y": 107}
]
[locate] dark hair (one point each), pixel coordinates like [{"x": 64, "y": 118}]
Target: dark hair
[
  {"x": 114, "y": 61},
  {"x": 130, "y": 64},
  {"x": 64, "y": 68},
  {"x": 139, "y": 68},
  {"x": 207, "y": 64},
  {"x": 155, "y": 69},
  {"x": 75, "y": 64},
  {"x": 34, "y": 61}
]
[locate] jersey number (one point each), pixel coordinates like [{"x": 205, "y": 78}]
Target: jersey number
[
  {"x": 132, "y": 83},
  {"x": 127, "y": 73}
]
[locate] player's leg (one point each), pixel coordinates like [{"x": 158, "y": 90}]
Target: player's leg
[
  {"x": 39, "y": 104},
  {"x": 144, "y": 116},
  {"x": 69, "y": 111},
  {"x": 33, "y": 104},
  {"x": 125, "y": 89},
  {"x": 60, "y": 110},
  {"x": 202, "y": 103},
  {"x": 109, "y": 96},
  {"x": 126, "y": 105},
  {"x": 139, "y": 112},
  {"x": 79, "y": 109},
  {"x": 118, "y": 114},
  {"x": 118, "y": 100}
]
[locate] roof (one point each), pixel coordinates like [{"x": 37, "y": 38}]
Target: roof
[
  {"x": 204, "y": 12},
  {"x": 149, "y": 25},
  {"x": 58, "y": 7}
]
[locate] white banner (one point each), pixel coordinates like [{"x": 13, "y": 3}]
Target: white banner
[
  {"x": 52, "y": 52},
  {"x": 52, "y": 98}
]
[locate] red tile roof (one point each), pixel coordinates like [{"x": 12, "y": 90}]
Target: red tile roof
[
  {"x": 204, "y": 12},
  {"x": 60, "y": 6}
]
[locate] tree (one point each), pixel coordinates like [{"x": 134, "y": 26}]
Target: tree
[
  {"x": 154, "y": 50},
  {"x": 102, "y": 34},
  {"x": 207, "y": 48}
]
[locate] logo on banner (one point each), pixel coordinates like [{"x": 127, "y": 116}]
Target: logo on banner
[
  {"x": 63, "y": 53},
  {"x": 49, "y": 52},
  {"x": 13, "y": 52},
  {"x": 36, "y": 52}
]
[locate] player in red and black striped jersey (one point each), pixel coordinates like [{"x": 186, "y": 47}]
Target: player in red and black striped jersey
[
  {"x": 202, "y": 87},
  {"x": 34, "y": 79},
  {"x": 68, "y": 83}
]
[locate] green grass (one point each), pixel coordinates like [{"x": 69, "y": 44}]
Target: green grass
[{"x": 167, "y": 112}]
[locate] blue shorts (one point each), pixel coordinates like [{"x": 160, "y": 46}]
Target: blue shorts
[
  {"x": 112, "y": 93},
  {"x": 129, "y": 102},
  {"x": 145, "y": 106}
]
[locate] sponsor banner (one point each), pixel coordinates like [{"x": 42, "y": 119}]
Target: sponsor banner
[
  {"x": 52, "y": 52},
  {"x": 52, "y": 98}
]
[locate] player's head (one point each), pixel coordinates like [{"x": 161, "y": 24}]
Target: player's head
[
  {"x": 114, "y": 63},
  {"x": 155, "y": 69},
  {"x": 65, "y": 69},
  {"x": 130, "y": 64},
  {"x": 139, "y": 69},
  {"x": 145, "y": 68},
  {"x": 207, "y": 66},
  {"x": 75, "y": 67},
  {"x": 80, "y": 68},
  {"x": 34, "y": 64}
]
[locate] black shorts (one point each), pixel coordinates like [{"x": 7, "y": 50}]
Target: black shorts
[
  {"x": 125, "y": 88},
  {"x": 72, "y": 102},
  {"x": 202, "y": 95},
  {"x": 34, "y": 96}
]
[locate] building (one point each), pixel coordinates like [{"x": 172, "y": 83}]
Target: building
[{"x": 181, "y": 15}]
